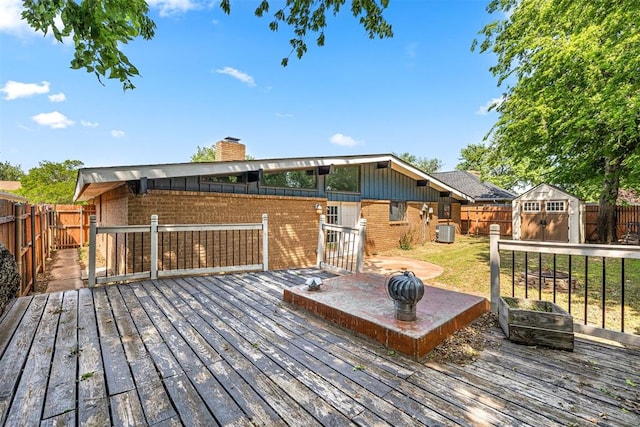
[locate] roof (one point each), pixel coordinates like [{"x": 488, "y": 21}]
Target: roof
[
  {"x": 545, "y": 188},
  {"x": 92, "y": 182},
  {"x": 471, "y": 185},
  {"x": 10, "y": 185}
]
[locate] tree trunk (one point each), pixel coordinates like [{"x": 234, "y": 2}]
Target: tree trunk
[{"x": 607, "y": 221}]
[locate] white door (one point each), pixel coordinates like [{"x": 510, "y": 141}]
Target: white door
[
  {"x": 343, "y": 213},
  {"x": 346, "y": 214}
]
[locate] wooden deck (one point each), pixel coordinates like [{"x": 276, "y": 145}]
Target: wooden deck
[{"x": 224, "y": 350}]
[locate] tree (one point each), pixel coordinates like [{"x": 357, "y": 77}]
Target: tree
[
  {"x": 422, "y": 163},
  {"x": 204, "y": 154},
  {"x": 9, "y": 172},
  {"x": 496, "y": 168},
  {"x": 101, "y": 28},
  {"x": 572, "y": 103},
  {"x": 51, "y": 182}
]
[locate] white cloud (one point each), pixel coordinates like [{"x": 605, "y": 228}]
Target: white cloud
[
  {"x": 54, "y": 120},
  {"x": 15, "y": 90},
  {"x": 284, "y": 115},
  {"x": 117, "y": 133},
  {"x": 11, "y": 21},
  {"x": 493, "y": 103},
  {"x": 243, "y": 77},
  {"x": 344, "y": 140},
  {"x": 172, "y": 7},
  {"x": 57, "y": 97},
  {"x": 89, "y": 124}
]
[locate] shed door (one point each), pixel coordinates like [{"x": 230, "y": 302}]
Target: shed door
[
  {"x": 532, "y": 216},
  {"x": 557, "y": 221},
  {"x": 545, "y": 220}
]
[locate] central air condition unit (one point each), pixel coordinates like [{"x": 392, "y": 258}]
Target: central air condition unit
[{"x": 445, "y": 233}]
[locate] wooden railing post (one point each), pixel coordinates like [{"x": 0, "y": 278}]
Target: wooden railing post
[
  {"x": 321, "y": 241},
  {"x": 362, "y": 239},
  {"x": 154, "y": 247},
  {"x": 494, "y": 261},
  {"x": 265, "y": 242},
  {"x": 92, "y": 251}
]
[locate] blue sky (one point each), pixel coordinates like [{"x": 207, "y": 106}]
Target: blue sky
[{"x": 207, "y": 75}]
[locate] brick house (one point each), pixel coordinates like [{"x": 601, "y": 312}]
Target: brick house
[{"x": 396, "y": 198}]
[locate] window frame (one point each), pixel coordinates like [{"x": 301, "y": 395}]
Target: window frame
[
  {"x": 527, "y": 206},
  {"x": 401, "y": 206},
  {"x": 556, "y": 203},
  {"x": 357, "y": 180}
]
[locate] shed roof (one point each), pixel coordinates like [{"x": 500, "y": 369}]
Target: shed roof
[
  {"x": 92, "y": 182},
  {"x": 543, "y": 187},
  {"x": 471, "y": 185}
]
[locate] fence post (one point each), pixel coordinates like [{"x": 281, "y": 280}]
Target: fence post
[
  {"x": 321, "y": 240},
  {"x": 362, "y": 239},
  {"x": 81, "y": 228},
  {"x": 34, "y": 248},
  {"x": 43, "y": 250},
  {"x": 265, "y": 242},
  {"x": 494, "y": 260},
  {"x": 18, "y": 210},
  {"x": 92, "y": 251},
  {"x": 154, "y": 247}
]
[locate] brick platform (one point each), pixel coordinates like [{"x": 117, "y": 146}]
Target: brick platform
[{"x": 360, "y": 303}]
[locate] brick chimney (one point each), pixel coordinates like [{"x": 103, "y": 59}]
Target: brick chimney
[{"x": 230, "y": 149}]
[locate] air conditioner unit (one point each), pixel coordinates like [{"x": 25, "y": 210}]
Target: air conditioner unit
[{"x": 445, "y": 233}]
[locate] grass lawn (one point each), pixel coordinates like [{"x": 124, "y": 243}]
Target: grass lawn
[{"x": 466, "y": 269}]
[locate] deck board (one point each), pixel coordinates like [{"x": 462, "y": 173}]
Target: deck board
[{"x": 225, "y": 350}]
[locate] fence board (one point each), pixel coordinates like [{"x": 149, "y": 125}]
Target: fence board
[{"x": 475, "y": 220}]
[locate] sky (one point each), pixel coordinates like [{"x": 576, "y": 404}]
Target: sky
[{"x": 207, "y": 75}]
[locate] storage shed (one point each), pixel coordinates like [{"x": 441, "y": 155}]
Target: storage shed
[{"x": 548, "y": 213}]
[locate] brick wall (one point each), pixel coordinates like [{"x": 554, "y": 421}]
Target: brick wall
[
  {"x": 112, "y": 209},
  {"x": 293, "y": 221},
  {"x": 383, "y": 234},
  {"x": 230, "y": 151}
]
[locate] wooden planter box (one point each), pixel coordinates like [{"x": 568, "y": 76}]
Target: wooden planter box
[{"x": 534, "y": 322}]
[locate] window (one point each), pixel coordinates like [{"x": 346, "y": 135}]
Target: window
[
  {"x": 397, "y": 211},
  {"x": 444, "y": 205},
  {"x": 221, "y": 179},
  {"x": 555, "y": 206},
  {"x": 290, "y": 179},
  {"x": 344, "y": 179},
  {"x": 531, "y": 207}
]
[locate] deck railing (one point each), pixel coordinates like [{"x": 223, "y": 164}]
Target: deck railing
[
  {"x": 341, "y": 248},
  {"x": 135, "y": 252},
  {"x": 598, "y": 284}
]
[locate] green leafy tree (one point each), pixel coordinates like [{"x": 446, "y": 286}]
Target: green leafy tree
[
  {"x": 422, "y": 163},
  {"x": 51, "y": 182},
  {"x": 572, "y": 103},
  {"x": 9, "y": 172},
  {"x": 204, "y": 154},
  {"x": 496, "y": 168},
  {"x": 101, "y": 28}
]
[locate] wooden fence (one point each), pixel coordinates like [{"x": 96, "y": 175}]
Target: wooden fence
[
  {"x": 71, "y": 225},
  {"x": 30, "y": 232},
  {"x": 475, "y": 220},
  {"x": 624, "y": 214},
  {"x": 25, "y": 232}
]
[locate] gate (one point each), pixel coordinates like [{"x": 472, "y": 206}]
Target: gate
[{"x": 71, "y": 226}]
